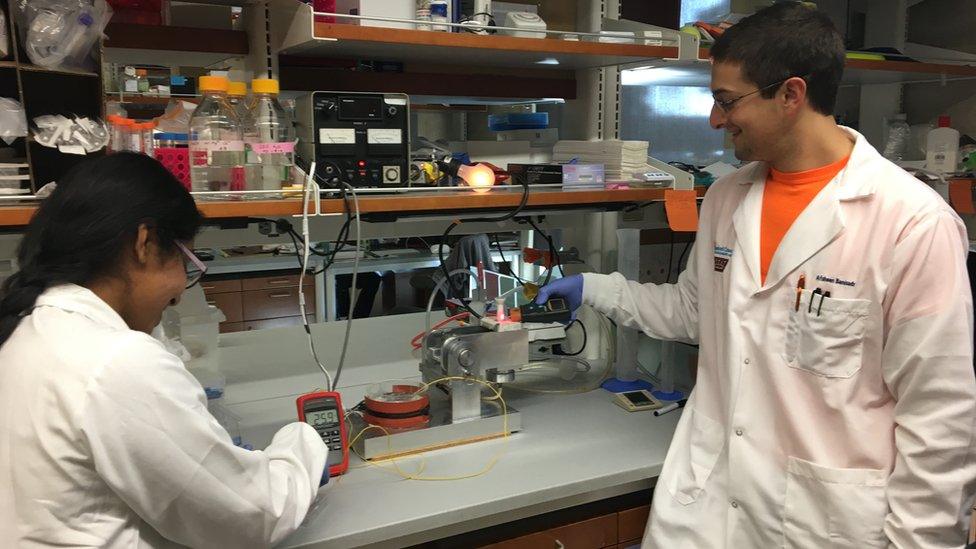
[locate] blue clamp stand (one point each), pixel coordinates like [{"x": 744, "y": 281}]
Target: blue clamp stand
[
  {"x": 615, "y": 385},
  {"x": 672, "y": 396}
]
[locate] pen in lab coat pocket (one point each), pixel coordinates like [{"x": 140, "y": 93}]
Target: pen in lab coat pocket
[{"x": 800, "y": 284}]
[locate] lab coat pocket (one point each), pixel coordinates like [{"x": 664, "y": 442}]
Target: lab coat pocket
[
  {"x": 826, "y": 335},
  {"x": 694, "y": 460},
  {"x": 832, "y": 507}
]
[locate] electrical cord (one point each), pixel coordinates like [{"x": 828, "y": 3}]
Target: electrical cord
[
  {"x": 583, "y": 347},
  {"x": 481, "y": 28},
  {"x": 498, "y": 246},
  {"x": 353, "y": 295},
  {"x": 552, "y": 251},
  {"x": 681, "y": 258},
  {"x": 667, "y": 277},
  {"x": 306, "y": 192},
  {"x": 456, "y": 222},
  {"x": 416, "y": 476}
]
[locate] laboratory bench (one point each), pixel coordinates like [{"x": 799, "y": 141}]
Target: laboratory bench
[{"x": 575, "y": 452}]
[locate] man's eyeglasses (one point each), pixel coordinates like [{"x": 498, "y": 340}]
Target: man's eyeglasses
[
  {"x": 195, "y": 269},
  {"x": 728, "y": 104}
]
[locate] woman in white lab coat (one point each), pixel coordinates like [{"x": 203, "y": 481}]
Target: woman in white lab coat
[{"x": 105, "y": 438}]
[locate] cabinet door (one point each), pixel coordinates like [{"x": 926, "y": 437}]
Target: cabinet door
[
  {"x": 229, "y": 327},
  {"x": 276, "y": 303},
  {"x": 211, "y": 287},
  {"x": 594, "y": 533},
  {"x": 230, "y": 305},
  {"x": 631, "y": 523},
  {"x": 276, "y": 281},
  {"x": 275, "y": 323}
]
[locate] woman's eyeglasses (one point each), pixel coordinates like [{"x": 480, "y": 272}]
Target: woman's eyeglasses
[{"x": 195, "y": 269}]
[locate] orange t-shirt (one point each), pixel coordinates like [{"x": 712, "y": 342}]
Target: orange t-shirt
[{"x": 786, "y": 195}]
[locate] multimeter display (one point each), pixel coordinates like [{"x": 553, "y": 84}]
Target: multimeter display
[
  {"x": 323, "y": 411},
  {"x": 322, "y": 419},
  {"x": 637, "y": 397}
]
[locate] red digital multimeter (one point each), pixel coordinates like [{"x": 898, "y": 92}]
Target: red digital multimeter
[{"x": 324, "y": 412}]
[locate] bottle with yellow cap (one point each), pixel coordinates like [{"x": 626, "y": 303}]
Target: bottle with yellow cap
[
  {"x": 237, "y": 97},
  {"x": 216, "y": 143},
  {"x": 270, "y": 138}
]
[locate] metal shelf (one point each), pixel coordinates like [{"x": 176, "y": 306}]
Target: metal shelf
[
  {"x": 298, "y": 34},
  {"x": 856, "y": 72}
]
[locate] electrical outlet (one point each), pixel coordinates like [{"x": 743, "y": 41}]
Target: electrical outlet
[{"x": 654, "y": 262}]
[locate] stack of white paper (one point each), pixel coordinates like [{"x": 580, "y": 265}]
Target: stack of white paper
[{"x": 621, "y": 159}]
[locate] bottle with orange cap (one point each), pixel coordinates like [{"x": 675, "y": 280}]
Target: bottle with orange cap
[
  {"x": 216, "y": 144},
  {"x": 270, "y": 138}
]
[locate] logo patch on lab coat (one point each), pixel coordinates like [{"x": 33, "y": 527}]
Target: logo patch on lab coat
[{"x": 722, "y": 255}]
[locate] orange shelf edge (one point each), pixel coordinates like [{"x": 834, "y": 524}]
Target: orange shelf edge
[{"x": 20, "y": 215}]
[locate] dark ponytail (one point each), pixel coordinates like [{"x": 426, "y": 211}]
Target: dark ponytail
[{"x": 80, "y": 232}]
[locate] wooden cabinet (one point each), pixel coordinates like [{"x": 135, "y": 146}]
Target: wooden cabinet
[
  {"x": 276, "y": 322},
  {"x": 259, "y": 301},
  {"x": 229, "y": 304},
  {"x": 614, "y": 523},
  {"x": 630, "y": 525},
  {"x": 594, "y": 533},
  {"x": 220, "y": 286},
  {"x": 277, "y": 303}
]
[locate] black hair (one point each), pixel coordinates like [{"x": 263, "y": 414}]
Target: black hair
[
  {"x": 786, "y": 40},
  {"x": 82, "y": 230}
]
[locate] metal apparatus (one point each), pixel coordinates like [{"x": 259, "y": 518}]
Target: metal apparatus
[{"x": 461, "y": 409}]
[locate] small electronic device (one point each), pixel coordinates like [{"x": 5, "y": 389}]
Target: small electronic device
[
  {"x": 362, "y": 139},
  {"x": 554, "y": 310},
  {"x": 323, "y": 411},
  {"x": 636, "y": 401},
  {"x": 525, "y": 22},
  {"x": 536, "y": 174},
  {"x": 653, "y": 178}
]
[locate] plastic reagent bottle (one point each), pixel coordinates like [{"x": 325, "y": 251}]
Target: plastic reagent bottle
[
  {"x": 216, "y": 143},
  {"x": 942, "y": 148},
  {"x": 270, "y": 138},
  {"x": 237, "y": 97},
  {"x": 898, "y": 135}
]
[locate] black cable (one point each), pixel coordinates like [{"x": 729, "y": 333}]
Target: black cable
[
  {"x": 583, "y": 348},
  {"x": 667, "y": 276},
  {"x": 681, "y": 258},
  {"x": 475, "y": 30},
  {"x": 454, "y": 224},
  {"x": 498, "y": 246},
  {"x": 552, "y": 251}
]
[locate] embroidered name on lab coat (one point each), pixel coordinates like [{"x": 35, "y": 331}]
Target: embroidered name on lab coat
[
  {"x": 722, "y": 255},
  {"x": 834, "y": 280}
]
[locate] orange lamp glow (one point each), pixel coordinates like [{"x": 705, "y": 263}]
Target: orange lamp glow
[{"x": 479, "y": 177}]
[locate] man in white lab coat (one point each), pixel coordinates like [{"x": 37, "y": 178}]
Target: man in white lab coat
[{"x": 835, "y": 402}]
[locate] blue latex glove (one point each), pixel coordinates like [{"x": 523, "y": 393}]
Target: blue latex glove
[{"x": 569, "y": 288}]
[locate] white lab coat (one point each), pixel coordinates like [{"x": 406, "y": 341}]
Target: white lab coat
[
  {"x": 849, "y": 423},
  {"x": 105, "y": 441}
]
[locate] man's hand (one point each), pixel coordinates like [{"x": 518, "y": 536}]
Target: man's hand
[{"x": 569, "y": 288}]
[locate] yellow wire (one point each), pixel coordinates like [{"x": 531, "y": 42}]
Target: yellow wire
[{"x": 416, "y": 476}]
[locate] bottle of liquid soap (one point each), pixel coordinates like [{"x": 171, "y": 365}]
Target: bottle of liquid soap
[{"x": 942, "y": 148}]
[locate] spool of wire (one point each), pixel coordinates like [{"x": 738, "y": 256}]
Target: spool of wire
[{"x": 397, "y": 405}]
